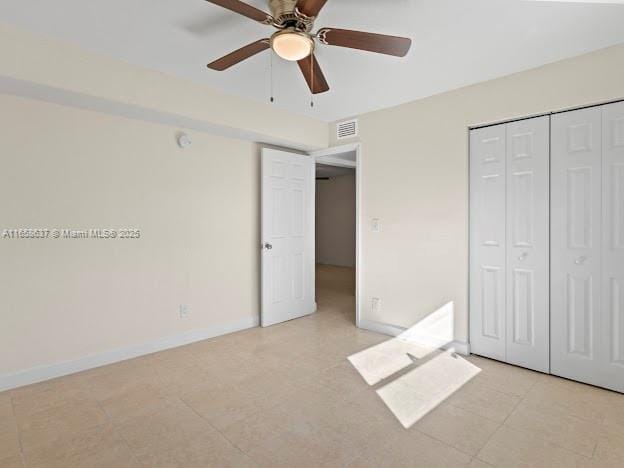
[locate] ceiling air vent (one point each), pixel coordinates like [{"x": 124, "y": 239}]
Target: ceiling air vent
[{"x": 347, "y": 129}]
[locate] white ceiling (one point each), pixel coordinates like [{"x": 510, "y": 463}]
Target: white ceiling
[{"x": 455, "y": 43}]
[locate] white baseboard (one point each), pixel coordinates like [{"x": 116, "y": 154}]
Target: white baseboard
[
  {"x": 394, "y": 330},
  {"x": 379, "y": 327},
  {"x": 51, "y": 371},
  {"x": 460, "y": 347}
]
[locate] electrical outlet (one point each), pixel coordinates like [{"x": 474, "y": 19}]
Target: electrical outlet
[
  {"x": 184, "y": 311},
  {"x": 375, "y": 305},
  {"x": 376, "y": 225}
]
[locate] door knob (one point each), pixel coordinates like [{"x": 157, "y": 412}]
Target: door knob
[
  {"x": 523, "y": 256},
  {"x": 268, "y": 246},
  {"x": 580, "y": 260}
]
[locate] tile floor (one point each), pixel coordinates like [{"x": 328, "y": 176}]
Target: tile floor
[{"x": 287, "y": 396}]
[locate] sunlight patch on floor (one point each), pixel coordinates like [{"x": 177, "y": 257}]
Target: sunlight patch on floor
[
  {"x": 385, "y": 359},
  {"x": 417, "y": 392},
  {"x": 436, "y": 377}
]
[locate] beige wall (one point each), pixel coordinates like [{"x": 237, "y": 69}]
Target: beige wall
[
  {"x": 197, "y": 210},
  {"x": 335, "y": 221},
  {"x": 54, "y": 65},
  {"x": 415, "y": 179}
]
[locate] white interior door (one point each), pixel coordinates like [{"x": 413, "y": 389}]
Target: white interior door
[
  {"x": 287, "y": 236},
  {"x": 576, "y": 250},
  {"x": 528, "y": 319},
  {"x": 612, "y": 332},
  {"x": 488, "y": 242}
]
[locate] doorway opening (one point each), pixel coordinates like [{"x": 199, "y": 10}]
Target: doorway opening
[
  {"x": 288, "y": 231},
  {"x": 336, "y": 236}
]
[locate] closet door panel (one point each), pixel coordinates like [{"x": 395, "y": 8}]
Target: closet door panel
[
  {"x": 612, "y": 331},
  {"x": 576, "y": 250},
  {"x": 527, "y": 305},
  {"x": 488, "y": 241}
]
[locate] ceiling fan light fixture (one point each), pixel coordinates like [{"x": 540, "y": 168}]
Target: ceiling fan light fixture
[{"x": 292, "y": 45}]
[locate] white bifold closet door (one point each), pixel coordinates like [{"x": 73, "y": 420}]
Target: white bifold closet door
[
  {"x": 509, "y": 292},
  {"x": 587, "y": 236}
]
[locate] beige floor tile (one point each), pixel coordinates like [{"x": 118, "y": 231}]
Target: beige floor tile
[
  {"x": 413, "y": 449},
  {"x": 317, "y": 427},
  {"x": 556, "y": 426},
  {"x": 367, "y": 423},
  {"x": 503, "y": 377},
  {"x": 614, "y": 419},
  {"x": 458, "y": 428},
  {"x": 304, "y": 367},
  {"x": 476, "y": 463},
  {"x": 99, "y": 446},
  {"x": 9, "y": 444},
  {"x": 512, "y": 448},
  {"x": 9, "y": 440},
  {"x": 355, "y": 342},
  {"x": 257, "y": 430},
  {"x": 56, "y": 424},
  {"x": 305, "y": 445},
  {"x": 610, "y": 451},
  {"x": 484, "y": 401},
  {"x": 11, "y": 461},
  {"x": 584, "y": 401},
  {"x": 219, "y": 371},
  {"x": 106, "y": 383},
  {"x": 229, "y": 405},
  {"x": 343, "y": 378},
  {"x": 6, "y": 405},
  {"x": 48, "y": 395},
  {"x": 206, "y": 449},
  {"x": 171, "y": 426},
  {"x": 139, "y": 399},
  {"x": 176, "y": 381}
]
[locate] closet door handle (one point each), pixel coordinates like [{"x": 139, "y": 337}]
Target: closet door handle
[
  {"x": 523, "y": 255},
  {"x": 580, "y": 260}
]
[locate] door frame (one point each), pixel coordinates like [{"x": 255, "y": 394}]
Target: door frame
[{"x": 328, "y": 157}]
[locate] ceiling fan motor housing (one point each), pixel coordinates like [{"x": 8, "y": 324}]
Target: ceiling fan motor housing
[
  {"x": 295, "y": 42},
  {"x": 286, "y": 15}
]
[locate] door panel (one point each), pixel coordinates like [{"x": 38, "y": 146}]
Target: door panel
[
  {"x": 288, "y": 228},
  {"x": 523, "y": 309},
  {"x": 527, "y": 240},
  {"x": 493, "y": 302},
  {"x": 576, "y": 166},
  {"x": 487, "y": 239},
  {"x": 579, "y": 315},
  {"x": 612, "y": 352}
]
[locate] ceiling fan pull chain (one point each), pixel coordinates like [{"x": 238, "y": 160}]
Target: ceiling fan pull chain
[
  {"x": 271, "y": 74},
  {"x": 312, "y": 80}
]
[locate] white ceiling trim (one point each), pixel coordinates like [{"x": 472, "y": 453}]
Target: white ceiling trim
[{"x": 27, "y": 89}]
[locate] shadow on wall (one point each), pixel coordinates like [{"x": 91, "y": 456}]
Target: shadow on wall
[{"x": 424, "y": 375}]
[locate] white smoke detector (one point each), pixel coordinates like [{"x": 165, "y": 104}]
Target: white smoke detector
[{"x": 184, "y": 141}]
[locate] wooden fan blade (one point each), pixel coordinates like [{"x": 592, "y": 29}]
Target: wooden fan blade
[
  {"x": 379, "y": 43},
  {"x": 239, "y": 55},
  {"x": 311, "y": 7},
  {"x": 320, "y": 83},
  {"x": 243, "y": 9}
]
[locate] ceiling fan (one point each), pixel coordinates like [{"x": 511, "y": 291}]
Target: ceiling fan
[{"x": 294, "y": 40}]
